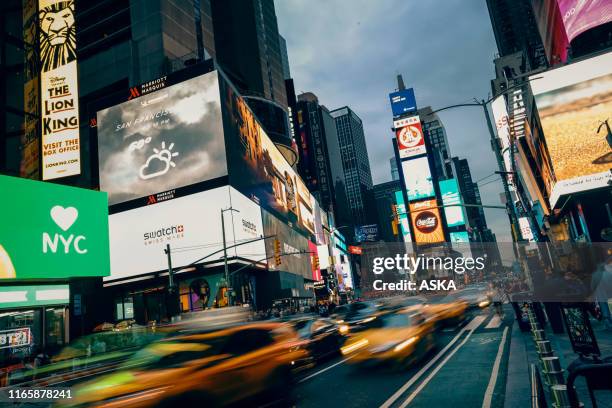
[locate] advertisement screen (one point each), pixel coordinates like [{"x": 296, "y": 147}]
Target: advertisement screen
[
  {"x": 502, "y": 126},
  {"x": 410, "y": 139},
  {"x": 573, "y": 103},
  {"x": 525, "y": 227},
  {"x": 426, "y": 222},
  {"x": 291, "y": 241},
  {"x": 258, "y": 169},
  {"x": 316, "y": 271},
  {"x": 417, "y": 177},
  {"x": 552, "y": 31},
  {"x": 192, "y": 227},
  {"x": 51, "y": 231},
  {"x": 582, "y": 15},
  {"x": 450, "y": 196},
  {"x": 61, "y": 151},
  {"x": 161, "y": 141},
  {"x": 402, "y": 102},
  {"x": 402, "y": 215},
  {"x": 366, "y": 233},
  {"x": 459, "y": 237}
]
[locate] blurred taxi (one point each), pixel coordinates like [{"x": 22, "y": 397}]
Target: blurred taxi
[
  {"x": 358, "y": 316},
  {"x": 400, "y": 338},
  {"x": 446, "y": 312},
  {"x": 213, "y": 368},
  {"x": 322, "y": 337}
]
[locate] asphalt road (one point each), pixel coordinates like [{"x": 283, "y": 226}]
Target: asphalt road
[{"x": 468, "y": 369}]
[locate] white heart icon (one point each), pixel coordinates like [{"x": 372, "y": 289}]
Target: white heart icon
[{"x": 64, "y": 217}]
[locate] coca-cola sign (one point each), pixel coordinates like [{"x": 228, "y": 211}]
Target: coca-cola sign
[{"x": 426, "y": 222}]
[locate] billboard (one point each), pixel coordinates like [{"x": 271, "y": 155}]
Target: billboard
[
  {"x": 550, "y": 25},
  {"x": 525, "y": 228},
  {"x": 582, "y": 15},
  {"x": 502, "y": 126},
  {"x": 29, "y": 166},
  {"x": 292, "y": 242},
  {"x": 426, "y": 222},
  {"x": 417, "y": 177},
  {"x": 139, "y": 236},
  {"x": 51, "y": 231},
  {"x": 259, "y": 170},
  {"x": 410, "y": 139},
  {"x": 316, "y": 270},
  {"x": 573, "y": 103},
  {"x": 402, "y": 216},
  {"x": 450, "y": 195},
  {"x": 33, "y": 295},
  {"x": 459, "y": 237},
  {"x": 167, "y": 139},
  {"x": 366, "y": 233},
  {"x": 61, "y": 152},
  {"x": 402, "y": 102}
]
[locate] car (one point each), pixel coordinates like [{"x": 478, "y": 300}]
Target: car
[
  {"x": 228, "y": 366},
  {"x": 402, "y": 338},
  {"x": 357, "y": 315},
  {"x": 446, "y": 312},
  {"x": 322, "y": 337},
  {"x": 475, "y": 297}
]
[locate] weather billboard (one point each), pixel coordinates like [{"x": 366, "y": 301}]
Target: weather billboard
[
  {"x": 161, "y": 141},
  {"x": 582, "y": 15},
  {"x": 402, "y": 102},
  {"x": 426, "y": 222},
  {"x": 50, "y": 231},
  {"x": 451, "y": 200},
  {"x": 258, "y": 169},
  {"x": 191, "y": 225},
  {"x": 418, "y": 179},
  {"x": 409, "y": 135},
  {"x": 574, "y": 104}
]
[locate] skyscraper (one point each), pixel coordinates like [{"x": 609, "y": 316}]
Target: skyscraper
[
  {"x": 394, "y": 170},
  {"x": 355, "y": 166},
  {"x": 471, "y": 195},
  {"x": 384, "y": 197},
  {"x": 435, "y": 133}
]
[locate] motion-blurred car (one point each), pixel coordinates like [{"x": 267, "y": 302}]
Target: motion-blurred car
[
  {"x": 403, "y": 338},
  {"x": 218, "y": 368},
  {"x": 446, "y": 312},
  {"x": 357, "y": 316},
  {"x": 476, "y": 297},
  {"x": 322, "y": 337}
]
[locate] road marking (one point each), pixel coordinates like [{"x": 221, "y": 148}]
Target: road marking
[
  {"x": 488, "y": 397},
  {"x": 494, "y": 323},
  {"x": 423, "y": 370},
  {"x": 325, "y": 369}
]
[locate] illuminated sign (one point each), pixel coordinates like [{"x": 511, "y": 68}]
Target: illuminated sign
[
  {"x": 451, "y": 197},
  {"x": 582, "y": 15},
  {"x": 355, "y": 250},
  {"x": 61, "y": 153},
  {"x": 28, "y": 296},
  {"x": 403, "y": 102},
  {"x": 402, "y": 216},
  {"x": 459, "y": 237},
  {"x": 418, "y": 179},
  {"x": 502, "y": 125},
  {"x": 410, "y": 139},
  {"x": 426, "y": 222},
  {"x": 525, "y": 227}
]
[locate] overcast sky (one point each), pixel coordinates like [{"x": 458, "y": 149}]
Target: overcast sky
[{"x": 348, "y": 52}]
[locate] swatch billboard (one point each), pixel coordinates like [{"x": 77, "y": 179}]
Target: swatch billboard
[
  {"x": 259, "y": 170},
  {"x": 452, "y": 203},
  {"x": 582, "y": 15},
  {"x": 51, "y": 231},
  {"x": 426, "y": 222},
  {"x": 409, "y": 135},
  {"x": 573, "y": 102},
  {"x": 164, "y": 140},
  {"x": 418, "y": 179}
]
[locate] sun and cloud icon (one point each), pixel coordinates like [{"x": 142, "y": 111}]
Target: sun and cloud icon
[{"x": 159, "y": 162}]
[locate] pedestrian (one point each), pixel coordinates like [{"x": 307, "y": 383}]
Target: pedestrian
[{"x": 601, "y": 284}]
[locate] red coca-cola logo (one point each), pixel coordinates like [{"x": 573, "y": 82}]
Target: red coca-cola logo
[{"x": 426, "y": 222}]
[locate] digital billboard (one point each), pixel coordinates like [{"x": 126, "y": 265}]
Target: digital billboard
[
  {"x": 51, "y": 231},
  {"x": 61, "y": 152},
  {"x": 525, "y": 228},
  {"x": 459, "y": 237},
  {"x": 410, "y": 139},
  {"x": 366, "y": 233},
  {"x": 402, "y": 215},
  {"x": 293, "y": 243},
  {"x": 502, "y": 126},
  {"x": 166, "y": 139},
  {"x": 316, "y": 270},
  {"x": 402, "y": 102},
  {"x": 573, "y": 102},
  {"x": 259, "y": 170},
  {"x": 139, "y": 236},
  {"x": 582, "y": 15},
  {"x": 550, "y": 25},
  {"x": 426, "y": 222},
  {"x": 417, "y": 177},
  {"x": 450, "y": 196}
]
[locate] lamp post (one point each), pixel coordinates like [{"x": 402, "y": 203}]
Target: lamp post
[{"x": 229, "y": 295}]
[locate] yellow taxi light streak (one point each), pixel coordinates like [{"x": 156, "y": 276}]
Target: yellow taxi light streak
[
  {"x": 369, "y": 319},
  {"x": 484, "y": 303},
  {"x": 405, "y": 344},
  {"x": 354, "y": 346},
  {"x": 343, "y": 329}
]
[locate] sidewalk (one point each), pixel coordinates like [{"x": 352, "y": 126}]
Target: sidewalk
[{"x": 523, "y": 353}]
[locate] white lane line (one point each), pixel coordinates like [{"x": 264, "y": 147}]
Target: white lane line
[
  {"x": 325, "y": 369},
  {"x": 471, "y": 327},
  {"x": 488, "y": 397},
  {"x": 494, "y": 323},
  {"x": 418, "y": 375}
]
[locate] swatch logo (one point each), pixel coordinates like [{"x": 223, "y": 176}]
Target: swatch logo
[
  {"x": 64, "y": 218},
  {"x": 164, "y": 234}
]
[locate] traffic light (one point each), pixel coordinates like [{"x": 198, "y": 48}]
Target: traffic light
[
  {"x": 315, "y": 262},
  {"x": 277, "y": 252}
]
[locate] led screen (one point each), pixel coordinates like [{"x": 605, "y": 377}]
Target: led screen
[
  {"x": 417, "y": 177},
  {"x": 426, "y": 222},
  {"x": 450, "y": 196}
]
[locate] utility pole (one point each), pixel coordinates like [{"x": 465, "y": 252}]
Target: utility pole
[
  {"x": 174, "y": 309},
  {"x": 225, "y": 267}
]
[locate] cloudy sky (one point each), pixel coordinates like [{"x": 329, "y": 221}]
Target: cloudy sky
[{"x": 348, "y": 52}]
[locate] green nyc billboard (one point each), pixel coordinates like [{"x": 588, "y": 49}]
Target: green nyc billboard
[{"x": 52, "y": 231}]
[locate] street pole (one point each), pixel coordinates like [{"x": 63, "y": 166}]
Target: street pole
[
  {"x": 225, "y": 258},
  {"x": 174, "y": 309}
]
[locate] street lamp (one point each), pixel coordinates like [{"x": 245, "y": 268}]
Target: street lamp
[{"x": 225, "y": 252}]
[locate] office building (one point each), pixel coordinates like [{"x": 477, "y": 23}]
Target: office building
[
  {"x": 356, "y": 172},
  {"x": 435, "y": 133},
  {"x": 470, "y": 194},
  {"x": 394, "y": 169},
  {"x": 384, "y": 198}
]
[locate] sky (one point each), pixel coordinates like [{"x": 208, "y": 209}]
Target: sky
[{"x": 349, "y": 52}]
